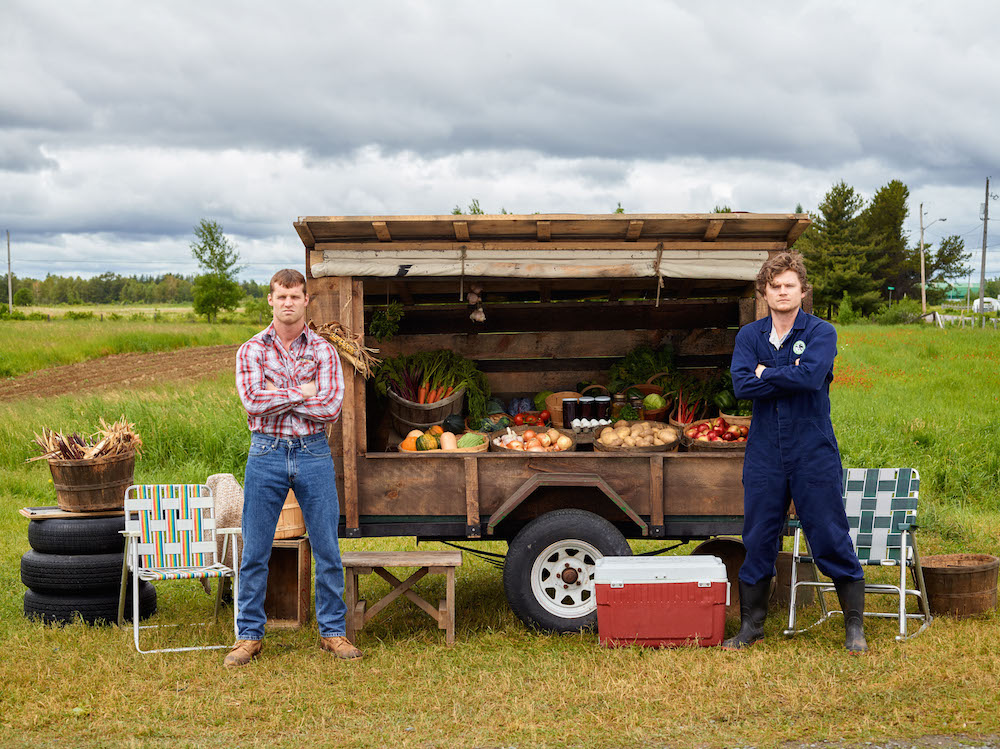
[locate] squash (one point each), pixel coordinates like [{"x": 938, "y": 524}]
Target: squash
[
  {"x": 454, "y": 424},
  {"x": 414, "y": 433},
  {"x": 436, "y": 430},
  {"x": 427, "y": 442},
  {"x": 449, "y": 441},
  {"x": 409, "y": 444}
]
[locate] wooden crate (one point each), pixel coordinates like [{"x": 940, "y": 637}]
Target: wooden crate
[{"x": 289, "y": 581}]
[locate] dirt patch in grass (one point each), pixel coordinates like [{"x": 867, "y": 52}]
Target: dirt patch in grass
[{"x": 121, "y": 371}]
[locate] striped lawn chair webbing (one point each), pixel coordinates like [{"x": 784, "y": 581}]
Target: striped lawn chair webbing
[
  {"x": 174, "y": 573},
  {"x": 176, "y": 524},
  {"x": 877, "y": 502}
]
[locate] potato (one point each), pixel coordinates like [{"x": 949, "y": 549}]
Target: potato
[
  {"x": 668, "y": 436},
  {"x": 617, "y": 424},
  {"x": 658, "y": 441},
  {"x": 628, "y": 441},
  {"x": 622, "y": 432},
  {"x": 635, "y": 430},
  {"x": 616, "y": 441},
  {"x": 606, "y": 431}
]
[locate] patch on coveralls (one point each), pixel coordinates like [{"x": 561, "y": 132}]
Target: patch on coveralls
[{"x": 799, "y": 346}]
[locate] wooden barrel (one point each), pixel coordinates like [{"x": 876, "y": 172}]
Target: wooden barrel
[
  {"x": 961, "y": 584},
  {"x": 92, "y": 485},
  {"x": 407, "y": 415},
  {"x": 291, "y": 524}
]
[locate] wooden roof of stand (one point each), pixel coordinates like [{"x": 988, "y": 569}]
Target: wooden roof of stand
[{"x": 752, "y": 231}]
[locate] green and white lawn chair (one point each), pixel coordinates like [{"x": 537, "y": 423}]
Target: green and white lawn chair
[
  {"x": 881, "y": 505},
  {"x": 170, "y": 535}
]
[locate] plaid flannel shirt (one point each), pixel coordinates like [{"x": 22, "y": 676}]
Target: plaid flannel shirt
[{"x": 286, "y": 412}]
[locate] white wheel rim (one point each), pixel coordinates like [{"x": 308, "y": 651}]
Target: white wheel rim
[{"x": 573, "y": 596}]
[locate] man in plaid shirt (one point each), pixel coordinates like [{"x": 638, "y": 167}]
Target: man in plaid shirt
[{"x": 291, "y": 384}]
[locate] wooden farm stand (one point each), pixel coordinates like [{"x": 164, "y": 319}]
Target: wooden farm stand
[{"x": 564, "y": 296}]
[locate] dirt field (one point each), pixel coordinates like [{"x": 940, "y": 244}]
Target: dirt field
[{"x": 120, "y": 371}]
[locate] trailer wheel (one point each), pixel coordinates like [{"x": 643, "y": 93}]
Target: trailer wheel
[{"x": 549, "y": 573}]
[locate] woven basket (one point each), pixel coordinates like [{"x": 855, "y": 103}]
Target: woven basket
[
  {"x": 700, "y": 446},
  {"x": 553, "y": 404},
  {"x": 521, "y": 430},
  {"x": 407, "y": 415},
  {"x": 457, "y": 451},
  {"x": 743, "y": 421},
  {"x": 601, "y": 447}
]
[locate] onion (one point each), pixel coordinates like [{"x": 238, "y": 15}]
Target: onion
[{"x": 564, "y": 442}]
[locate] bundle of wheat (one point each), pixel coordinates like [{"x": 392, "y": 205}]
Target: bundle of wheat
[
  {"x": 351, "y": 346},
  {"x": 118, "y": 438}
]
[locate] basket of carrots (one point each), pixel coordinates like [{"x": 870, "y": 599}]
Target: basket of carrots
[{"x": 427, "y": 387}]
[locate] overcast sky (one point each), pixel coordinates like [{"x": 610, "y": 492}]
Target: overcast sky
[{"x": 122, "y": 124}]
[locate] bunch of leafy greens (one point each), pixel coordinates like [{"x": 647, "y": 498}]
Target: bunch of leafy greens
[
  {"x": 407, "y": 374},
  {"x": 639, "y": 365},
  {"x": 385, "y": 321}
]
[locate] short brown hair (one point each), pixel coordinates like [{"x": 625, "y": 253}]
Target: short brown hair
[
  {"x": 775, "y": 266},
  {"x": 288, "y": 278}
]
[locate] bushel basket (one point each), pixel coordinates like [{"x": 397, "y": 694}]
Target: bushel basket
[
  {"x": 407, "y": 415},
  {"x": 92, "y": 485}
]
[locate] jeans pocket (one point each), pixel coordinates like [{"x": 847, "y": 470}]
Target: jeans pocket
[
  {"x": 260, "y": 448},
  {"x": 317, "y": 449}
]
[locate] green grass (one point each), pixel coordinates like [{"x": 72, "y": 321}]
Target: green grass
[
  {"x": 26, "y": 346},
  {"x": 918, "y": 397}
]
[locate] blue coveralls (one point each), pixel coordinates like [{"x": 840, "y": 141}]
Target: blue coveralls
[{"x": 791, "y": 450}]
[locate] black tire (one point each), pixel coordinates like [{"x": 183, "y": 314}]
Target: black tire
[
  {"x": 77, "y": 535},
  {"x": 94, "y": 608},
  {"x": 556, "y": 539},
  {"x": 71, "y": 573}
]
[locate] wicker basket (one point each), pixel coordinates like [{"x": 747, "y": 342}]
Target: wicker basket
[
  {"x": 407, "y": 415},
  {"x": 698, "y": 446},
  {"x": 743, "y": 421},
  {"x": 521, "y": 430},
  {"x": 92, "y": 485},
  {"x": 457, "y": 451},
  {"x": 553, "y": 404},
  {"x": 602, "y": 448}
]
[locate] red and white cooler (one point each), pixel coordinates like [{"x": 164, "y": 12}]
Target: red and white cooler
[{"x": 657, "y": 601}]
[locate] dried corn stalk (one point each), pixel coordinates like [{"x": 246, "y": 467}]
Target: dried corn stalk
[
  {"x": 118, "y": 438},
  {"x": 350, "y": 346}
]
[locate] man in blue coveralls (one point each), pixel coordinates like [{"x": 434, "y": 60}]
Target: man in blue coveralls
[{"x": 784, "y": 362}]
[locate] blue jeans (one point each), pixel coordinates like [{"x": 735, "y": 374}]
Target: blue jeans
[{"x": 275, "y": 465}]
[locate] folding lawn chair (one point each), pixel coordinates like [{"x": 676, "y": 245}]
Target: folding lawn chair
[
  {"x": 170, "y": 535},
  {"x": 881, "y": 505}
]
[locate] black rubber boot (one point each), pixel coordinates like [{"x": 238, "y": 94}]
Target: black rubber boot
[
  {"x": 753, "y": 612},
  {"x": 852, "y": 601}
]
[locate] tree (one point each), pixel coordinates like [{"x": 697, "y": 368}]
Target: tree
[
  {"x": 217, "y": 289},
  {"x": 23, "y": 297},
  {"x": 880, "y": 224},
  {"x": 949, "y": 262}
]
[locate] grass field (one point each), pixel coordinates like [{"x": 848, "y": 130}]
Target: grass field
[
  {"x": 904, "y": 396},
  {"x": 26, "y": 346}
]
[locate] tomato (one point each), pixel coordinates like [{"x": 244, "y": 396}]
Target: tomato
[
  {"x": 545, "y": 416},
  {"x": 519, "y": 419}
]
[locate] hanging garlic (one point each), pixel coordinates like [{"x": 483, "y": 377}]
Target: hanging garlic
[{"x": 478, "y": 315}]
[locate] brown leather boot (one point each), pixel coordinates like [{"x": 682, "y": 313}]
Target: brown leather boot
[
  {"x": 243, "y": 652},
  {"x": 340, "y": 647}
]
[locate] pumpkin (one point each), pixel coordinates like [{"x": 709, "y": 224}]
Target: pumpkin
[
  {"x": 427, "y": 442},
  {"x": 435, "y": 430},
  {"x": 409, "y": 444}
]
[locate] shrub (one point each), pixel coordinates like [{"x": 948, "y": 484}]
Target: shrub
[
  {"x": 904, "y": 312},
  {"x": 846, "y": 315},
  {"x": 75, "y": 315}
]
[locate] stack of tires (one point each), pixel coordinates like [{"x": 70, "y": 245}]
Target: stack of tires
[{"x": 74, "y": 569}]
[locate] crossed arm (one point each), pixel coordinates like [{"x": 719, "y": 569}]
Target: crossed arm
[{"x": 751, "y": 379}]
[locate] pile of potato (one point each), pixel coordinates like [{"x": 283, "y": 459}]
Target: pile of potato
[{"x": 637, "y": 434}]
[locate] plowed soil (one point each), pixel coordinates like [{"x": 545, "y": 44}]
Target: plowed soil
[{"x": 122, "y": 371}]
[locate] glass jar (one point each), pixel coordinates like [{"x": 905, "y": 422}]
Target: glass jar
[
  {"x": 617, "y": 404},
  {"x": 587, "y": 407},
  {"x": 602, "y": 407},
  {"x": 570, "y": 411}
]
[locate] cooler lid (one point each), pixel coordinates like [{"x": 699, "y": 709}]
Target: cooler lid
[{"x": 695, "y": 568}]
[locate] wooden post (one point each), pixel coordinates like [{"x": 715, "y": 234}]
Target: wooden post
[
  {"x": 473, "y": 525},
  {"x": 656, "y": 496},
  {"x": 348, "y": 419}
]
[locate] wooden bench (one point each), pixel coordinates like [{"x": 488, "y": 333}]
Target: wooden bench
[{"x": 428, "y": 563}]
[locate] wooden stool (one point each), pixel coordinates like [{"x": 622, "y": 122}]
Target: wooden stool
[
  {"x": 289, "y": 583},
  {"x": 429, "y": 563}
]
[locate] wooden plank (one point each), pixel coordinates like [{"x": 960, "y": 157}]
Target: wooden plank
[
  {"x": 461, "y": 230},
  {"x": 302, "y": 229},
  {"x": 324, "y": 299},
  {"x": 360, "y": 409},
  {"x": 656, "y": 491},
  {"x": 348, "y": 419},
  {"x": 797, "y": 230},
  {"x": 401, "y": 558},
  {"x": 563, "y": 344},
  {"x": 580, "y": 245},
  {"x": 634, "y": 230},
  {"x": 748, "y": 310},
  {"x": 472, "y": 517},
  {"x": 567, "y": 316},
  {"x": 543, "y": 231},
  {"x": 381, "y": 231},
  {"x": 42, "y": 513},
  {"x": 713, "y": 229}
]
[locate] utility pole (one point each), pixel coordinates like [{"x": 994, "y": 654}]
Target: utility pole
[
  {"x": 923, "y": 276},
  {"x": 10, "y": 280},
  {"x": 982, "y": 269}
]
